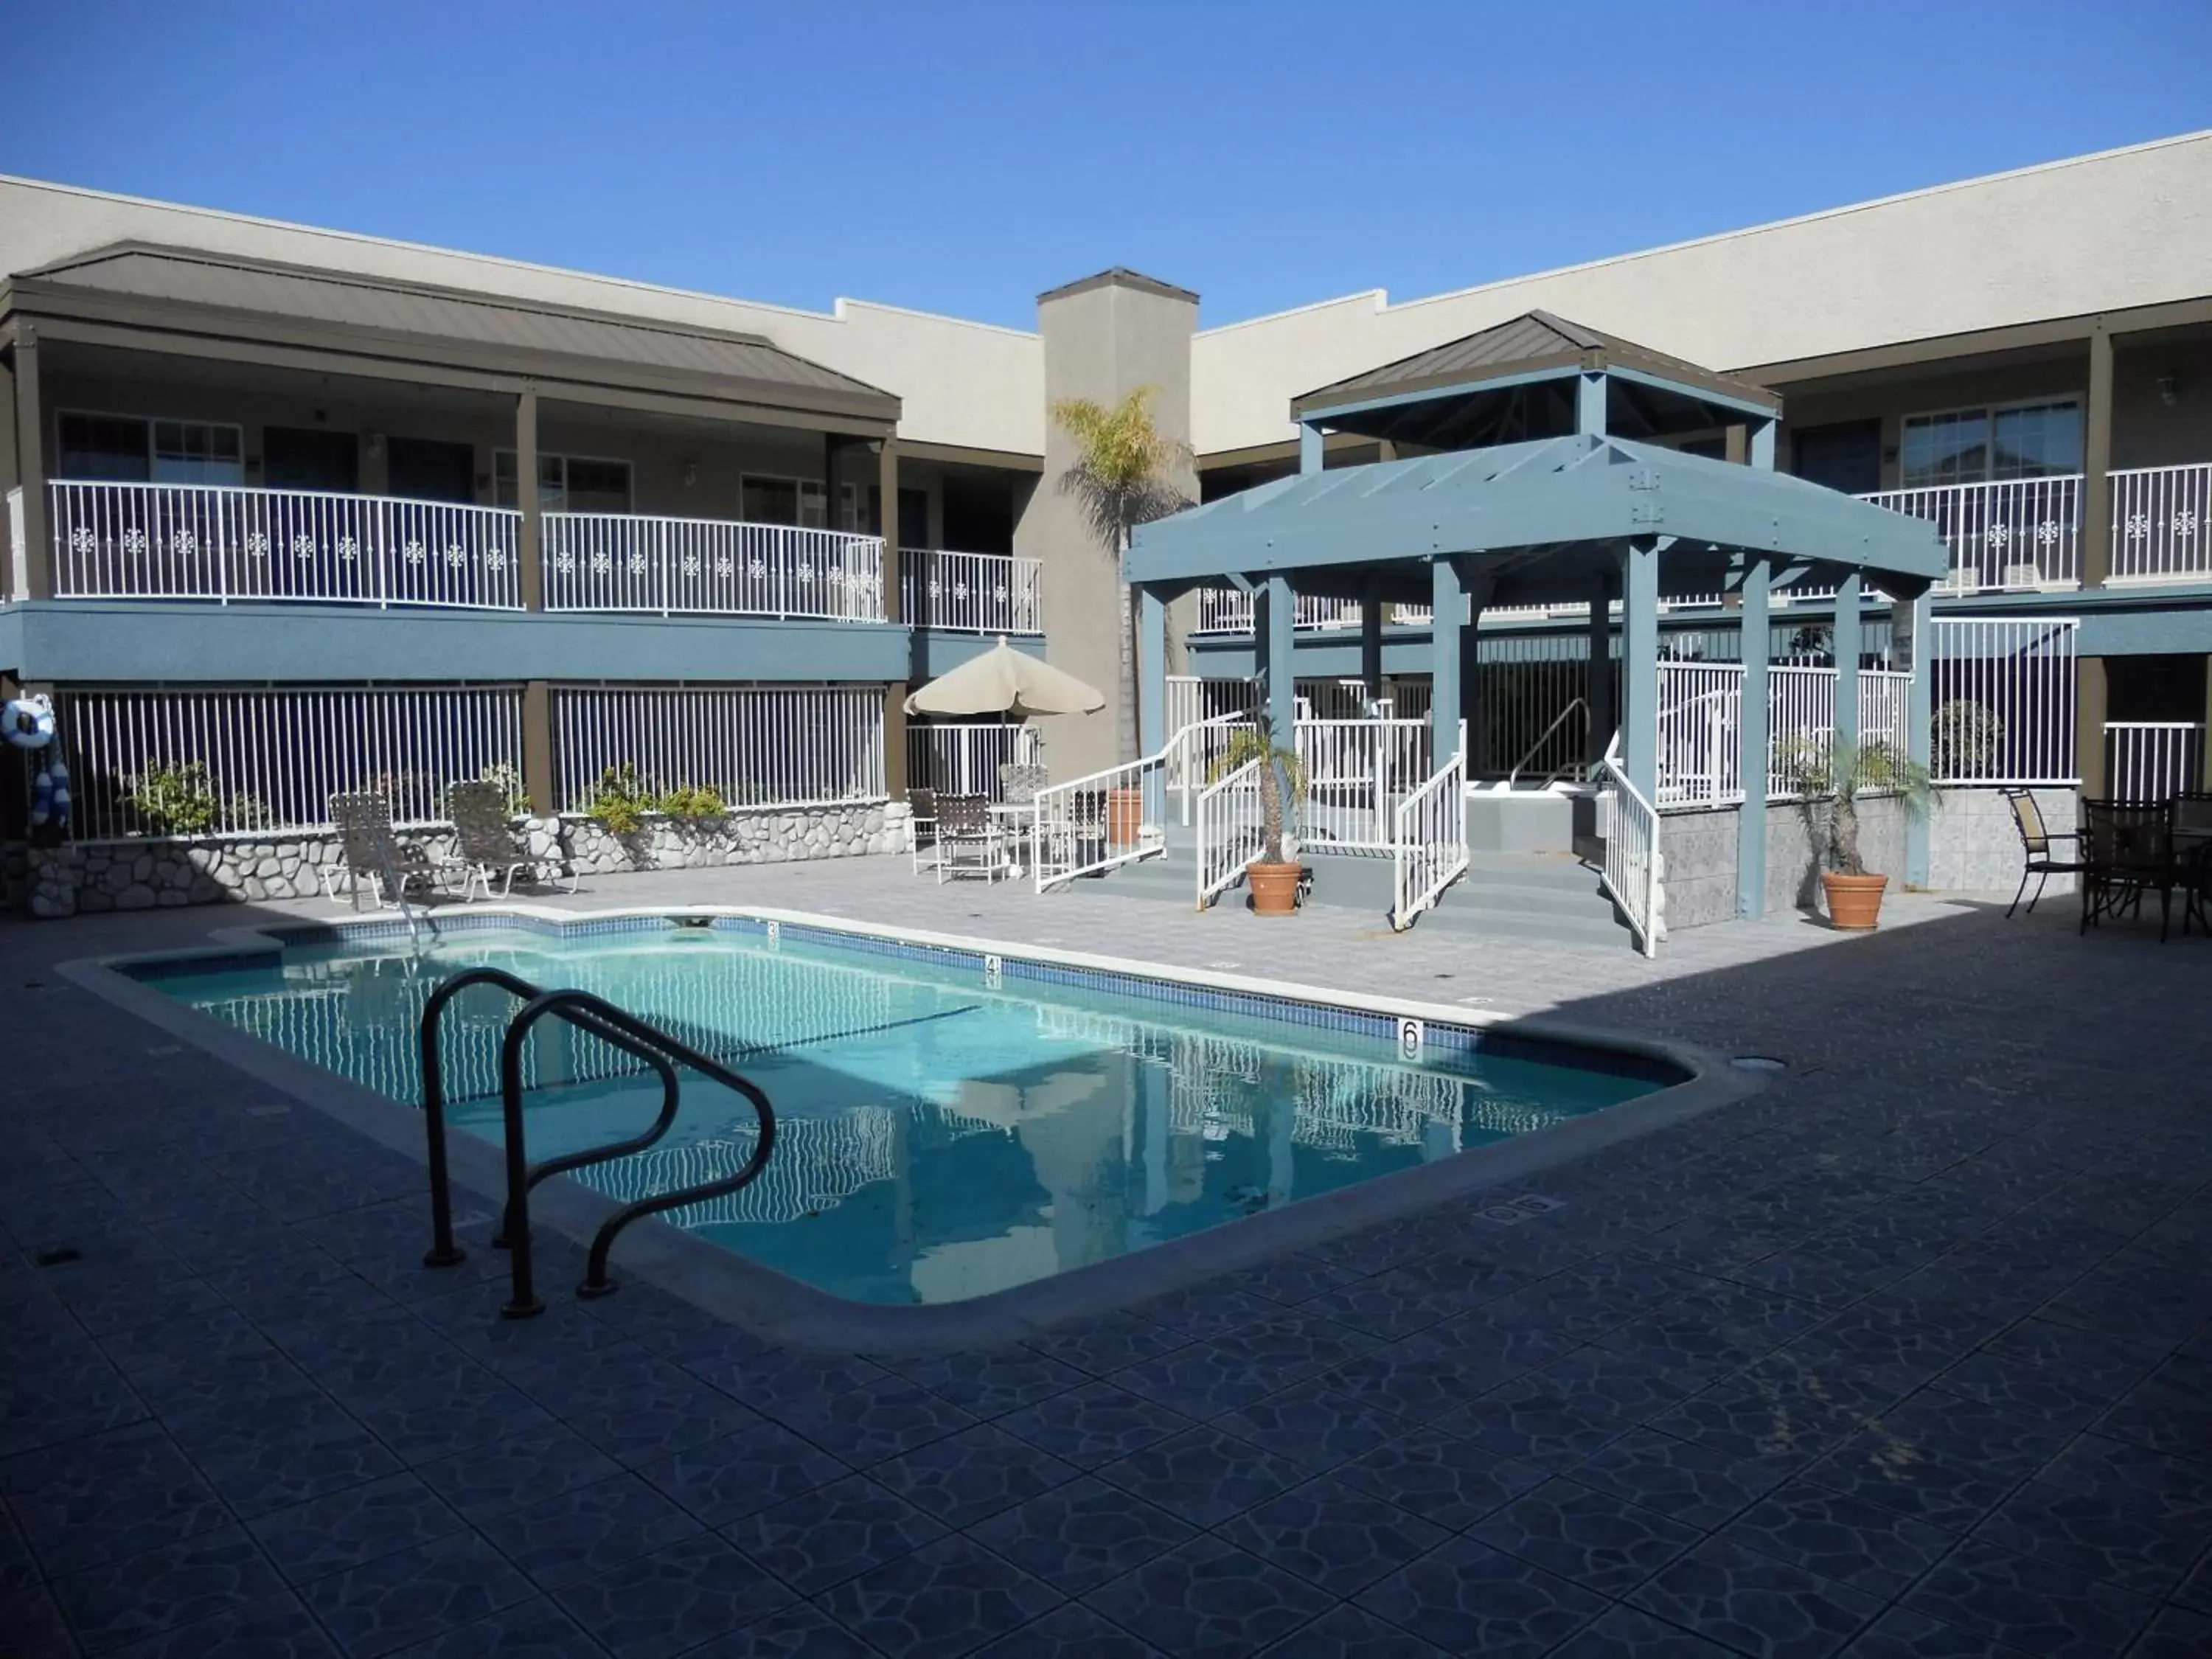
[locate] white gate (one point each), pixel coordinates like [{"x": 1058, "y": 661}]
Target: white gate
[{"x": 1357, "y": 771}]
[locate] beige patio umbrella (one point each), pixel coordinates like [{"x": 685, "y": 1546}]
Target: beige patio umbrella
[{"x": 1004, "y": 681}]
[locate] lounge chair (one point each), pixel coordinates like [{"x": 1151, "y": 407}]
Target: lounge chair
[
  {"x": 2036, "y": 843},
  {"x": 967, "y": 839},
  {"x": 372, "y": 859},
  {"x": 485, "y": 845},
  {"x": 923, "y": 805}
]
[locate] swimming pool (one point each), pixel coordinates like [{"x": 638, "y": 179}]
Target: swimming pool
[{"x": 950, "y": 1123}]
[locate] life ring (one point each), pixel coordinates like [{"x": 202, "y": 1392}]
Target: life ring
[{"x": 28, "y": 722}]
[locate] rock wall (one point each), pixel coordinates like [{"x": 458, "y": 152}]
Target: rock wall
[{"x": 142, "y": 874}]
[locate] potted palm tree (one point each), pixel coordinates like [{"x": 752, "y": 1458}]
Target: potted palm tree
[
  {"x": 1122, "y": 476},
  {"x": 1272, "y": 878},
  {"x": 1837, "y": 776}
]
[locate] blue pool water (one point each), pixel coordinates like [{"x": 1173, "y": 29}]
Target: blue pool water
[{"x": 942, "y": 1133}]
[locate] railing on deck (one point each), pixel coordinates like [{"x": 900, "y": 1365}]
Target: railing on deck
[
  {"x": 1428, "y": 850},
  {"x": 2001, "y": 699},
  {"x": 1634, "y": 867},
  {"x": 1091, "y": 824},
  {"x": 631, "y": 561},
  {"x": 2023, "y": 533},
  {"x": 1230, "y": 831},
  {"x": 972, "y": 593},
  {"x": 2162, "y": 524},
  {"x": 1196, "y": 750},
  {"x": 1357, "y": 770},
  {"x": 963, "y": 758},
  {"x": 1801, "y": 720},
  {"x": 2153, "y": 760},
  {"x": 757, "y": 745},
  {"x": 225, "y": 544},
  {"x": 1700, "y": 733}
]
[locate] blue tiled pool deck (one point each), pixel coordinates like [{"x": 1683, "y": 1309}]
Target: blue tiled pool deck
[{"x": 1910, "y": 1355}]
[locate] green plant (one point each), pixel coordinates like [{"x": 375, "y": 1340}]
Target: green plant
[
  {"x": 1840, "y": 774},
  {"x": 694, "y": 802},
  {"x": 1120, "y": 476},
  {"x": 1968, "y": 740},
  {"x": 508, "y": 778},
  {"x": 175, "y": 800},
  {"x": 621, "y": 799},
  {"x": 1282, "y": 779}
]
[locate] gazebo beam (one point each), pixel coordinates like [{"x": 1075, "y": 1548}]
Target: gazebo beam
[{"x": 1639, "y": 665}]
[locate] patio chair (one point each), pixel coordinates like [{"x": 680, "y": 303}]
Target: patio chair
[
  {"x": 2128, "y": 851},
  {"x": 2037, "y": 845},
  {"x": 485, "y": 845},
  {"x": 967, "y": 839},
  {"x": 2192, "y": 849},
  {"x": 371, "y": 857},
  {"x": 923, "y": 805}
]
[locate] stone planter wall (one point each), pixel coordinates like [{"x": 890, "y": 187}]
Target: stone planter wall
[{"x": 144, "y": 874}]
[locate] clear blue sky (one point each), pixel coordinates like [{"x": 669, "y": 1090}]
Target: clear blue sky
[{"x": 962, "y": 155}]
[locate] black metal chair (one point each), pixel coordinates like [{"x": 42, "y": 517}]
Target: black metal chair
[
  {"x": 2036, "y": 845},
  {"x": 2128, "y": 848},
  {"x": 2192, "y": 849}
]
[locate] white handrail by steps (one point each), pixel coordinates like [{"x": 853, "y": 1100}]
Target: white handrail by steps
[
  {"x": 1230, "y": 831},
  {"x": 1634, "y": 866},
  {"x": 1084, "y": 826},
  {"x": 1428, "y": 841}
]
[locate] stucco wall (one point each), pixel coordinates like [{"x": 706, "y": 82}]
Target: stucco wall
[{"x": 1700, "y": 852}]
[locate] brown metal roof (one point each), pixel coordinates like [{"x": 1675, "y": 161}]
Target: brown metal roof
[
  {"x": 157, "y": 286},
  {"x": 1529, "y": 343}
]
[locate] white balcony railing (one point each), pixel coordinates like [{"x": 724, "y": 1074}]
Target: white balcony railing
[
  {"x": 719, "y": 566},
  {"x": 2162, "y": 524},
  {"x": 213, "y": 542},
  {"x": 2153, "y": 760},
  {"x": 972, "y": 593},
  {"x": 2016, "y": 533}
]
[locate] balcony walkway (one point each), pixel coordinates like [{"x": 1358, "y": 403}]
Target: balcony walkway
[{"x": 1910, "y": 1353}]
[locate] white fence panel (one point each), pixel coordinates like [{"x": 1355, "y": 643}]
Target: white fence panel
[
  {"x": 214, "y": 542},
  {"x": 972, "y": 593},
  {"x": 758, "y": 746},
  {"x": 1231, "y": 831},
  {"x": 1428, "y": 839},
  {"x": 2162, "y": 523},
  {"x": 1700, "y": 733},
  {"x": 1886, "y": 709},
  {"x": 1634, "y": 867},
  {"x": 2001, "y": 699},
  {"x": 222, "y": 761},
  {"x": 1800, "y": 721},
  {"x": 2153, "y": 760},
  {"x": 2013, "y": 533},
  {"x": 1357, "y": 771},
  {"x": 964, "y": 759},
  {"x": 630, "y": 561}
]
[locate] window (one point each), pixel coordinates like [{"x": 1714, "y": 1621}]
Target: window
[
  {"x": 1974, "y": 446},
  {"x": 763, "y": 499},
  {"x": 127, "y": 449},
  {"x": 566, "y": 483}
]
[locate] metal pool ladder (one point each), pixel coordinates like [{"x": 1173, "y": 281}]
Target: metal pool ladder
[{"x": 657, "y": 1048}]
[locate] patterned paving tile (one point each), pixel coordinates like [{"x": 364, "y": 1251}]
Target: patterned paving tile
[
  {"x": 630, "y": 1403},
  {"x": 443, "y": 1407},
  {"x": 346, "y": 1527},
  {"x": 1349, "y": 1632},
  {"x": 72, "y": 1392},
  {"x": 1071, "y": 1631},
  {"x": 943, "y": 1599},
  {"x": 493, "y": 1479},
  {"x": 114, "y": 1495},
  {"x": 2031, "y": 1604},
  {"x": 2170, "y": 1411},
  {"x": 2098, "y": 1534},
  {"x": 1076, "y": 1537},
  {"x": 673, "y": 1599},
  {"x": 1203, "y": 1475},
  {"x": 1094, "y": 1425},
  {"x": 587, "y": 1529},
  {"x": 1622, "y": 1631},
  {"x": 1628, "y": 1385},
  {"x": 2176, "y": 1633},
  {"x": 279, "y": 1628},
  {"x": 988, "y": 1385},
  {"x": 1694, "y": 1484},
  {"x": 1314, "y": 1424},
  {"x": 1209, "y": 1599},
  {"x": 528, "y": 1629},
  {"x": 1901, "y": 1633},
  {"x": 1990, "y": 1437},
  {"x": 755, "y": 1468},
  {"x": 268, "y": 1454},
  {"x": 1756, "y": 1604},
  {"x": 217, "y": 1572},
  {"x": 1527, "y": 1422},
  {"x": 878, "y": 1420},
  {"x": 1596, "y": 1539},
  {"x": 1333, "y": 1534},
  {"x": 1901, "y": 1475},
  {"x": 815, "y": 1540},
  {"x": 1100, "y": 1346},
  {"x": 1847, "y": 1540},
  {"x": 972, "y": 1475},
  {"x": 2134, "y": 1477},
  {"x": 1468, "y": 1598},
  {"x": 1291, "y": 1279},
  {"x": 1206, "y": 1310},
  {"x": 399, "y": 1600},
  {"x": 1439, "y": 1477},
  {"x": 800, "y": 1631}
]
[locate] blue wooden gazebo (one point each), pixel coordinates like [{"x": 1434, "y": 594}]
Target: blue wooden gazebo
[{"x": 1561, "y": 465}]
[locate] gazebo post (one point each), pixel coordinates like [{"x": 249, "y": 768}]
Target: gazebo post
[
  {"x": 1446, "y": 619},
  {"x": 1590, "y": 405},
  {"x": 1371, "y": 637},
  {"x": 1846, "y": 634},
  {"x": 1640, "y": 665},
  {"x": 1310, "y": 458},
  {"x": 1279, "y": 660},
  {"x": 1597, "y": 685},
  {"x": 1910, "y": 624},
  {"x": 1751, "y": 729},
  {"x": 1153, "y": 695}
]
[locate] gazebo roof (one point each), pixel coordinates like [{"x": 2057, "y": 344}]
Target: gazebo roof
[{"x": 1538, "y": 517}]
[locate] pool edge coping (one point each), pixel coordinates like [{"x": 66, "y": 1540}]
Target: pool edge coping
[{"x": 778, "y": 1307}]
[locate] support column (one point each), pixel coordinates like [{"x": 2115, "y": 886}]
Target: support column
[
  {"x": 530, "y": 546},
  {"x": 31, "y": 467},
  {"x": 1279, "y": 660},
  {"x": 1751, "y": 728},
  {"x": 1909, "y": 633},
  {"x": 2089, "y": 706},
  {"x": 1640, "y": 665},
  {"x": 1371, "y": 638},
  {"x": 1478, "y": 590},
  {"x": 1597, "y": 683},
  {"x": 1310, "y": 458},
  {"x": 537, "y": 779},
  {"x": 1762, "y": 439},
  {"x": 1590, "y": 405},
  {"x": 1846, "y": 632},
  {"x": 1448, "y": 607},
  {"x": 1153, "y": 696},
  {"x": 2097, "y": 465},
  {"x": 895, "y": 779}
]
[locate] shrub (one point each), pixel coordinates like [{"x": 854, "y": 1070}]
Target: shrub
[
  {"x": 509, "y": 781},
  {"x": 621, "y": 801},
  {"x": 183, "y": 800},
  {"x": 1967, "y": 741},
  {"x": 694, "y": 802}
]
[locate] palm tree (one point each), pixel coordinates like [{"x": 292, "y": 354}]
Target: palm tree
[{"x": 1121, "y": 477}]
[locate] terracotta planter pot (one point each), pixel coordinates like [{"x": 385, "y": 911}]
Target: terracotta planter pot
[
  {"x": 1854, "y": 902},
  {"x": 1124, "y": 816},
  {"x": 1274, "y": 888}
]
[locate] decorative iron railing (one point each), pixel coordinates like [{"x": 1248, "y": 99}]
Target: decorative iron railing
[
  {"x": 2001, "y": 699},
  {"x": 2015, "y": 533},
  {"x": 971, "y": 592},
  {"x": 2162, "y": 524},
  {"x": 633, "y": 561},
  {"x": 756, "y": 745}
]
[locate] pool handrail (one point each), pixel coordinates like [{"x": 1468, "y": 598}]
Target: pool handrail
[
  {"x": 520, "y": 1176},
  {"x": 443, "y": 1252}
]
